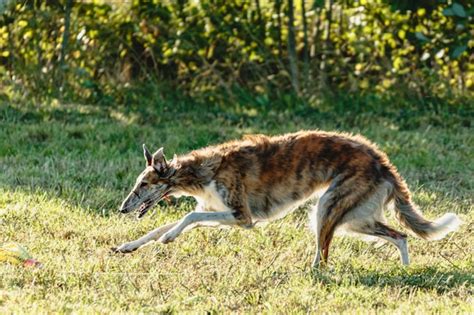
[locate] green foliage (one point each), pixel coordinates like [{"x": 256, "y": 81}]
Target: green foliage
[{"x": 215, "y": 48}]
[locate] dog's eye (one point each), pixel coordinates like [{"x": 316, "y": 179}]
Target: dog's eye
[{"x": 143, "y": 184}]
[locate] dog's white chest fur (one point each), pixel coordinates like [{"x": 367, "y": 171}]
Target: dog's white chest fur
[{"x": 210, "y": 200}]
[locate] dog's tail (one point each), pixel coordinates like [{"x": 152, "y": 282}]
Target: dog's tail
[{"x": 411, "y": 218}]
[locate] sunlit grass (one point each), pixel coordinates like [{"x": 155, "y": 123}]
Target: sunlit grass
[{"x": 63, "y": 173}]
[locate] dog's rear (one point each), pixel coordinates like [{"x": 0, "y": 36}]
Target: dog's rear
[
  {"x": 282, "y": 172},
  {"x": 359, "y": 191}
]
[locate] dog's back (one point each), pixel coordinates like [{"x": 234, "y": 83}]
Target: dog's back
[{"x": 281, "y": 172}]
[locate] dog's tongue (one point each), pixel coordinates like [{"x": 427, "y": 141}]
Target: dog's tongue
[{"x": 142, "y": 210}]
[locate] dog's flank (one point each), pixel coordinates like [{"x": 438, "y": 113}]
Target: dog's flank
[{"x": 262, "y": 178}]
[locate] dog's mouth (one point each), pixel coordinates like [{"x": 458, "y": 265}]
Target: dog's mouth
[
  {"x": 143, "y": 209},
  {"x": 148, "y": 204}
]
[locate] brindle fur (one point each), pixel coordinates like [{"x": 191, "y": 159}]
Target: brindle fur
[{"x": 262, "y": 178}]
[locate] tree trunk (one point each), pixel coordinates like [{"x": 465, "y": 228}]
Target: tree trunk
[
  {"x": 37, "y": 36},
  {"x": 316, "y": 33},
  {"x": 280, "y": 44},
  {"x": 327, "y": 46},
  {"x": 305, "y": 38},
  {"x": 292, "y": 48},
  {"x": 65, "y": 43},
  {"x": 11, "y": 50},
  {"x": 329, "y": 23},
  {"x": 261, "y": 25}
]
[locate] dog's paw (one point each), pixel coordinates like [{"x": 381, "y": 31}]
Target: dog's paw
[
  {"x": 168, "y": 237},
  {"x": 125, "y": 248}
]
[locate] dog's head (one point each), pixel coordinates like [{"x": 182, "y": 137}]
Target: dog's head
[{"x": 153, "y": 184}]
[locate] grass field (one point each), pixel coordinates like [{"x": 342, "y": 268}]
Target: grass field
[{"x": 64, "y": 170}]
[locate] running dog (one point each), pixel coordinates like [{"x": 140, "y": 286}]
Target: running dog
[{"x": 259, "y": 178}]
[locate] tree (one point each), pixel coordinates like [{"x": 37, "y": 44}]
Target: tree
[
  {"x": 292, "y": 48},
  {"x": 65, "y": 42}
]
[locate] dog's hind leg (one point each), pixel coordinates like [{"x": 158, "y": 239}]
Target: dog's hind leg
[
  {"x": 387, "y": 233},
  {"x": 345, "y": 195},
  {"x": 396, "y": 238},
  {"x": 325, "y": 218},
  {"x": 367, "y": 219},
  {"x": 316, "y": 218}
]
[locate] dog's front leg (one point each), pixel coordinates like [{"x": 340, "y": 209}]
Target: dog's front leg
[
  {"x": 150, "y": 237},
  {"x": 195, "y": 218}
]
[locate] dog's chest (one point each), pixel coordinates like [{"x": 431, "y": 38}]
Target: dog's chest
[{"x": 210, "y": 199}]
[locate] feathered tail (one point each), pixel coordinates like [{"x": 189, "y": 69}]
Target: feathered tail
[{"x": 410, "y": 217}]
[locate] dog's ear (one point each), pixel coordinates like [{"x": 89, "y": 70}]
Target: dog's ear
[
  {"x": 159, "y": 160},
  {"x": 148, "y": 156},
  {"x": 174, "y": 160}
]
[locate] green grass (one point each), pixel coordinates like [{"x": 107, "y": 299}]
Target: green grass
[{"x": 64, "y": 169}]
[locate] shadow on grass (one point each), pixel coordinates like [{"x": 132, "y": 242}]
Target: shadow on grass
[
  {"x": 424, "y": 278},
  {"x": 28, "y": 114}
]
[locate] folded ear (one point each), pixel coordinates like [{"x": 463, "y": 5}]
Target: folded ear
[
  {"x": 148, "y": 157},
  {"x": 159, "y": 160}
]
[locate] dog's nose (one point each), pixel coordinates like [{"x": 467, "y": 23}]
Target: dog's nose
[{"x": 123, "y": 209}]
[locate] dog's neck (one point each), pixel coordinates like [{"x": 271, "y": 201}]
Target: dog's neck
[{"x": 194, "y": 172}]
